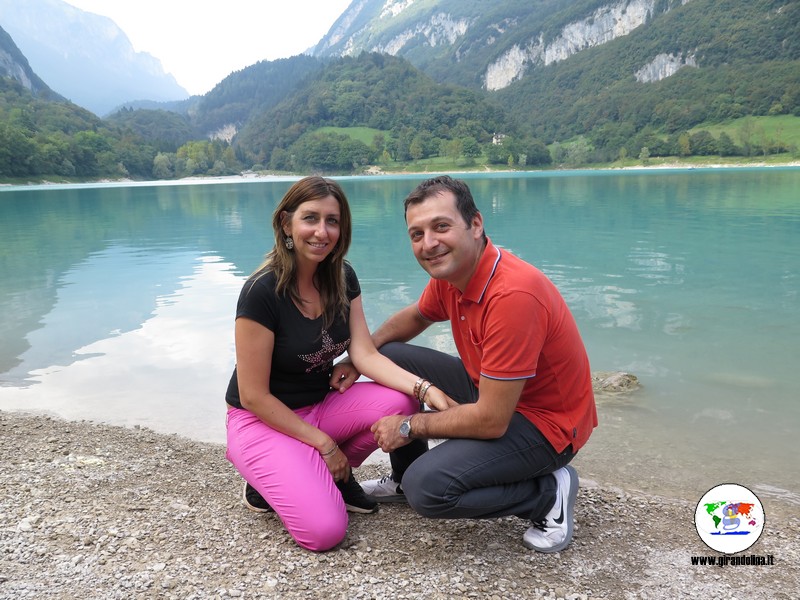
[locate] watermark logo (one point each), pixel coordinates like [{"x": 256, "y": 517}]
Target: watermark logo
[{"x": 729, "y": 518}]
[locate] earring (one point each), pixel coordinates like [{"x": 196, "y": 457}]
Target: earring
[{"x": 289, "y": 242}]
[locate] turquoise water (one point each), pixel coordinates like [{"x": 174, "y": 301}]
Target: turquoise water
[{"x": 117, "y": 304}]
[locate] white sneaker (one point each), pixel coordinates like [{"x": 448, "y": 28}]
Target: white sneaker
[
  {"x": 384, "y": 489},
  {"x": 554, "y": 532}
]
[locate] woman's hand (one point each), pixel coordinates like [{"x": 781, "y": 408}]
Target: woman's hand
[
  {"x": 344, "y": 375},
  {"x": 438, "y": 400},
  {"x": 337, "y": 464}
]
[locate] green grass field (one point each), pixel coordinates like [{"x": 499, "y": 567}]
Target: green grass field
[{"x": 780, "y": 128}]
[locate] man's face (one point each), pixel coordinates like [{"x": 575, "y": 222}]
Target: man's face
[{"x": 441, "y": 241}]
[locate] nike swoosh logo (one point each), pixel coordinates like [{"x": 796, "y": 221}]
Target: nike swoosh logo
[{"x": 560, "y": 518}]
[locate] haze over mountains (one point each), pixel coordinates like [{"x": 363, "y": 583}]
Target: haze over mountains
[{"x": 85, "y": 57}]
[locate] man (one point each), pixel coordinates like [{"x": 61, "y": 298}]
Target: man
[{"x": 520, "y": 395}]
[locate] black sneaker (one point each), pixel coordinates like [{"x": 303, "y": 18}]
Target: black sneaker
[
  {"x": 255, "y": 501},
  {"x": 354, "y": 497}
]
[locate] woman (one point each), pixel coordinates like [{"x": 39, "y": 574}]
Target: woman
[{"x": 292, "y": 437}]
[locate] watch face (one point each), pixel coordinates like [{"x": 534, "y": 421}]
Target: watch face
[{"x": 405, "y": 428}]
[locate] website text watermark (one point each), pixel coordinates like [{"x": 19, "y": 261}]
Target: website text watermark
[{"x": 734, "y": 561}]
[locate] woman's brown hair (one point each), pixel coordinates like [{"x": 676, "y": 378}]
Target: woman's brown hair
[{"x": 329, "y": 277}]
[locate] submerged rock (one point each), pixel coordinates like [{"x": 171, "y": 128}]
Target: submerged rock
[{"x": 614, "y": 382}]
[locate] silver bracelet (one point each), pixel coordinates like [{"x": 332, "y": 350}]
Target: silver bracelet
[{"x": 330, "y": 452}]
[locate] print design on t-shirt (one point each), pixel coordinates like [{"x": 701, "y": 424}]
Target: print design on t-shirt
[{"x": 325, "y": 355}]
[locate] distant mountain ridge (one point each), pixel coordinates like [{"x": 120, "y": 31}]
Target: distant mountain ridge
[
  {"x": 85, "y": 57},
  {"x": 511, "y": 83},
  {"x": 489, "y": 46},
  {"x": 14, "y": 65},
  {"x": 584, "y": 62}
]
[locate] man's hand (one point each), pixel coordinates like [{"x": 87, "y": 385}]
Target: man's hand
[
  {"x": 387, "y": 433},
  {"x": 344, "y": 375}
]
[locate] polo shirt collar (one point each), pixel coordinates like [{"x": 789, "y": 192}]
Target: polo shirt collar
[{"x": 487, "y": 265}]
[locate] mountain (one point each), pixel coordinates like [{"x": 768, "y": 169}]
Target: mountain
[
  {"x": 491, "y": 46},
  {"x": 85, "y": 57},
  {"x": 220, "y": 113},
  {"x": 245, "y": 93},
  {"x": 14, "y": 66},
  {"x": 510, "y": 83},
  {"x": 669, "y": 64},
  {"x": 374, "y": 91}
]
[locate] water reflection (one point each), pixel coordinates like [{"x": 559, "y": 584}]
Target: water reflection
[
  {"x": 118, "y": 301},
  {"x": 168, "y": 372}
]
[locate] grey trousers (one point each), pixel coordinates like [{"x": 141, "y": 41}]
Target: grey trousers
[{"x": 469, "y": 478}]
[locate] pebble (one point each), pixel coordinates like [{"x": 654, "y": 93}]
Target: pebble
[{"x": 151, "y": 515}]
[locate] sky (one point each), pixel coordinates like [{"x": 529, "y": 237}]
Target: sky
[{"x": 201, "y": 43}]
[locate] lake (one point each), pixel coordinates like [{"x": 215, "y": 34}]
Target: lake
[{"x": 118, "y": 300}]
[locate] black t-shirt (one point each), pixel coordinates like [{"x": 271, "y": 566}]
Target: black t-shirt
[{"x": 302, "y": 358}]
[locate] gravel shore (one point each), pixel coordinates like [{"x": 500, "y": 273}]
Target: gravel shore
[{"x": 99, "y": 511}]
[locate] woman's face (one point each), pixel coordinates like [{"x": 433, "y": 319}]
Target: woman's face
[{"x": 315, "y": 229}]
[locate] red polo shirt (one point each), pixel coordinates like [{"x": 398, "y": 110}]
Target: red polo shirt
[{"x": 512, "y": 323}]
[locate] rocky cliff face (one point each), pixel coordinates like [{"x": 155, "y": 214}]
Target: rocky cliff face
[
  {"x": 415, "y": 29},
  {"x": 604, "y": 25},
  {"x": 13, "y": 70},
  {"x": 662, "y": 66},
  {"x": 14, "y": 65},
  {"x": 440, "y": 29}
]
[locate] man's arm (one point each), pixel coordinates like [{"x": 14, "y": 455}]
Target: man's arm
[
  {"x": 402, "y": 326},
  {"x": 488, "y": 418}
]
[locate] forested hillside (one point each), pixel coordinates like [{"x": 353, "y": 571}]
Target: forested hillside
[
  {"x": 414, "y": 117},
  {"x": 255, "y": 89},
  {"x": 747, "y": 57},
  {"x": 40, "y": 137},
  {"x": 573, "y": 83}
]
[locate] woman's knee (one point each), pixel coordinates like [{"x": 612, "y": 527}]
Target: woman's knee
[
  {"x": 322, "y": 537},
  {"x": 319, "y": 530}
]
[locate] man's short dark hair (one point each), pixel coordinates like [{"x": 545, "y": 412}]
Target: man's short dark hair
[{"x": 444, "y": 183}]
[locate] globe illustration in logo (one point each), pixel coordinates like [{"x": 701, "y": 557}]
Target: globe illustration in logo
[{"x": 729, "y": 518}]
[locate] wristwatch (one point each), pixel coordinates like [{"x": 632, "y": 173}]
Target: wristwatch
[{"x": 405, "y": 428}]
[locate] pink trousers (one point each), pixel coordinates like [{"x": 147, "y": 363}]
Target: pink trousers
[{"x": 293, "y": 477}]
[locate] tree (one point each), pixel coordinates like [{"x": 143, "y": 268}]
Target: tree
[
  {"x": 454, "y": 149},
  {"x": 162, "y": 166},
  {"x": 726, "y": 146},
  {"x": 537, "y": 153},
  {"x": 578, "y": 152},
  {"x": 281, "y": 160},
  {"x": 684, "y": 145},
  {"x": 644, "y": 155},
  {"x": 16, "y": 150},
  {"x": 746, "y": 132},
  {"x": 379, "y": 142},
  {"x": 702, "y": 143},
  {"x": 416, "y": 150},
  {"x": 496, "y": 154},
  {"x": 470, "y": 147}
]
